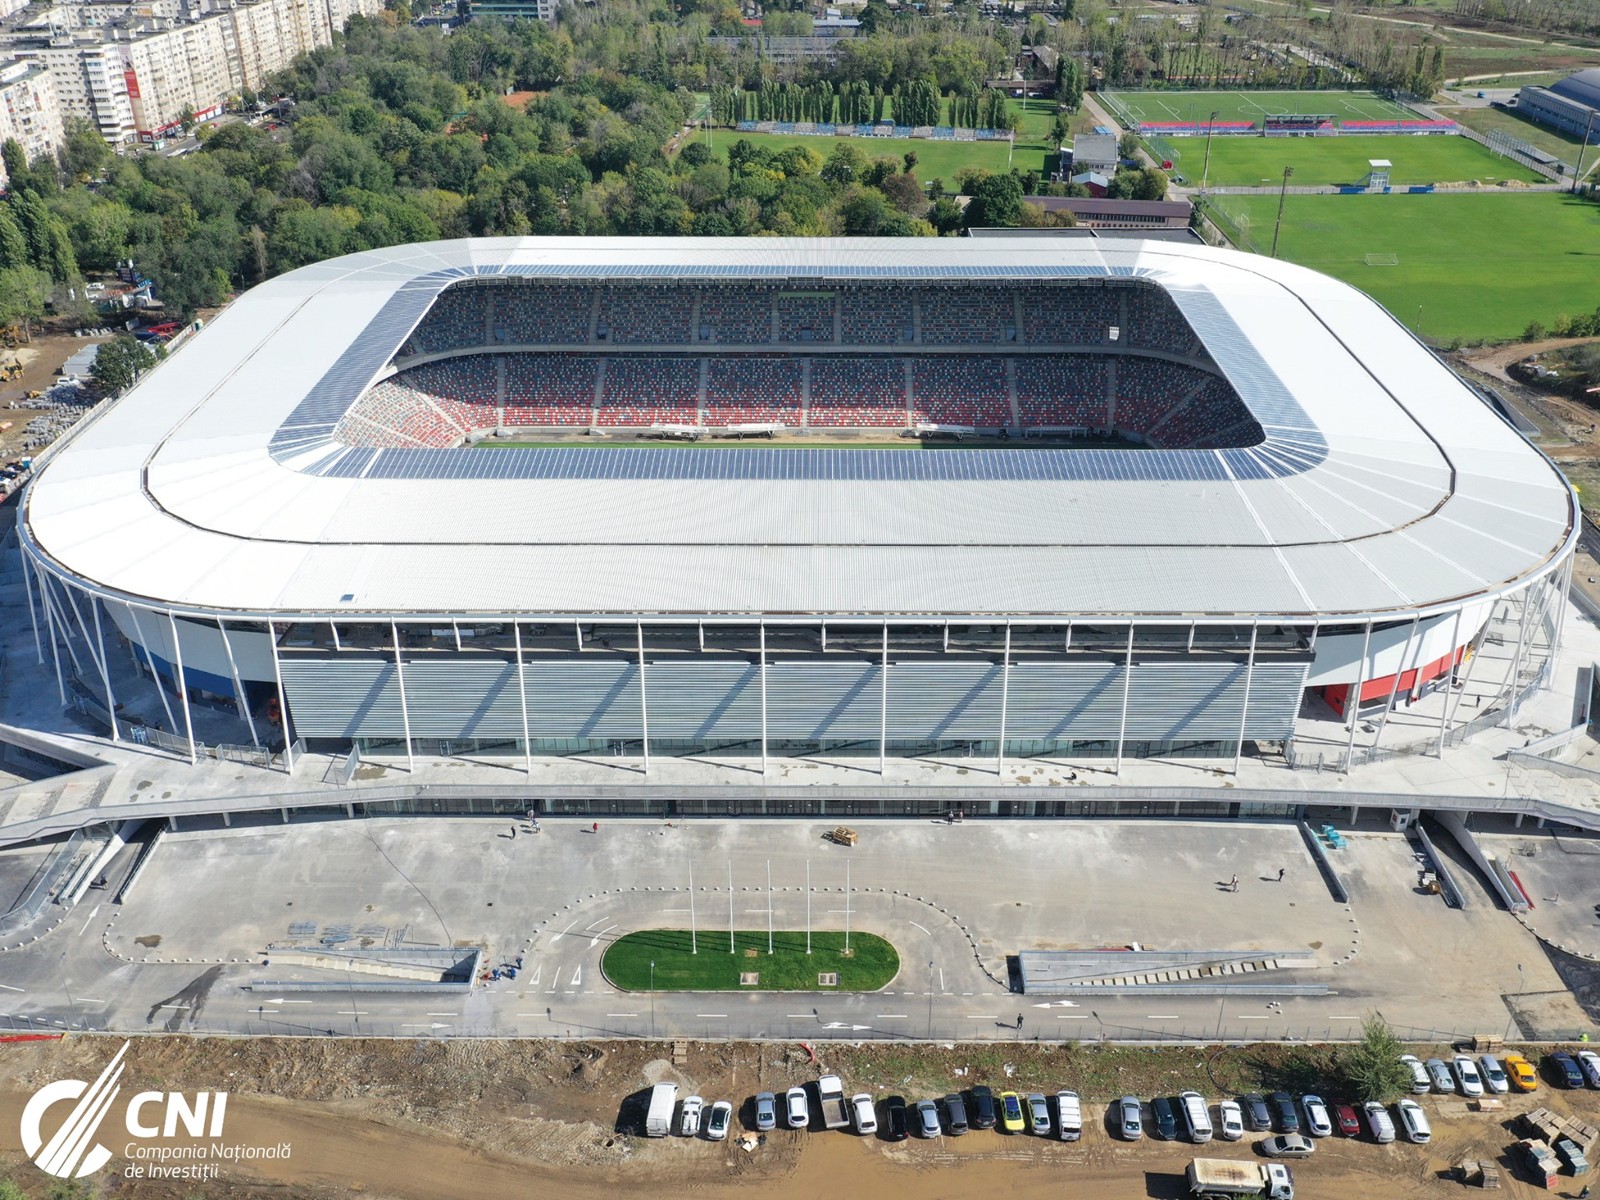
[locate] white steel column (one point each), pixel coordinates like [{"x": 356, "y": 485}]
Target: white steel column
[
  {"x": 763, "y": 629},
  {"x": 1249, "y": 678},
  {"x": 1564, "y": 602},
  {"x": 33, "y": 615},
  {"x": 155, "y": 676},
  {"x": 238, "y": 684},
  {"x": 1127, "y": 684},
  {"x": 1516, "y": 662},
  {"x": 644, "y": 708},
  {"x": 283, "y": 701},
  {"x": 1005, "y": 703},
  {"x": 1394, "y": 688},
  {"x": 1481, "y": 638},
  {"x": 883, "y": 706},
  {"x": 522, "y": 695},
  {"x": 50, "y": 632},
  {"x": 105, "y": 671},
  {"x": 183, "y": 686},
  {"x": 405, "y": 711},
  {"x": 1450, "y": 679},
  {"x": 61, "y": 622},
  {"x": 1352, "y": 699}
]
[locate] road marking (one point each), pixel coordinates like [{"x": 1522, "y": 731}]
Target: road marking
[
  {"x": 622, "y": 1014},
  {"x": 1243, "y": 1017},
  {"x": 890, "y": 1017},
  {"x": 1343, "y": 1017},
  {"x": 357, "y": 1013},
  {"x": 800, "y": 1016},
  {"x": 595, "y": 940},
  {"x": 577, "y": 977},
  {"x": 982, "y": 1017},
  {"x": 89, "y": 918},
  {"x": 924, "y": 928},
  {"x": 291, "y": 1002},
  {"x": 172, "y": 1006},
  {"x": 415, "y": 1025},
  {"x": 9, "y": 988},
  {"x": 941, "y": 979},
  {"x": 712, "y": 1016},
  {"x": 1161, "y": 1016},
  {"x": 1070, "y": 1017},
  {"x": 534, "y": 978},
  {"x": 87, "y": 1000},
  {"x": 444, "y": 1014},
  {"x": 564, "y": 932}
]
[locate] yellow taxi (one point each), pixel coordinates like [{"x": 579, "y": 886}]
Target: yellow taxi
[
  {"x": 1520, "y": 1072},
  {"x": 1011, "y": 1112}
]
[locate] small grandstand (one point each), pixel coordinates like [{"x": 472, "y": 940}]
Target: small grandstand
[{"x": 1030, "y": 361}]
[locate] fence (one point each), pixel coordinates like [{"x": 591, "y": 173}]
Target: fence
[
  {"x": 1510, "y": 147},
  {"x": 160, "y": 739},
  {"x": 45, "y": 885}
]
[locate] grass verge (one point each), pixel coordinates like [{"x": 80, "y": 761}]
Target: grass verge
[{"x": 871, "y": 964}]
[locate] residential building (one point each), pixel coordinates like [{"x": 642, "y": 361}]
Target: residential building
[{"x": 28, "y": 110}]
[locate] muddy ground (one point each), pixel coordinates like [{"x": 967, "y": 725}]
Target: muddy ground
[{"x": 431, "y": 1119}]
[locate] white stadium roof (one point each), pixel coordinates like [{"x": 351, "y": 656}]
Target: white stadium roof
[{"x": 1384, "y": 485}]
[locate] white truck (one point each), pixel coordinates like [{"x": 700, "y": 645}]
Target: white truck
[
  {"x": 1234, "y": 1179},
  {"x": 1069, "y": 1116},
  {"x": 830, "y": 1101},
  {"x": 658, "y": 1120}
]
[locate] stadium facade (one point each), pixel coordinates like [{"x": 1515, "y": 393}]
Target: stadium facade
[{"x": 1195, "y": 492}]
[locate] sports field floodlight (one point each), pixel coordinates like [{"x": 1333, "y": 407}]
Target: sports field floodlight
[
  {"x": 1205, "y": 174},
  {"x": 1278, "y": 225}
]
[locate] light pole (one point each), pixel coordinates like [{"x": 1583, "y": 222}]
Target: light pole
[
  {"x": 930, "y": 999},
  {"x": 1278, "y": 225},
  {"x": 652, "y": 997},
  {"x": 1577, "y": 174},
  {"x": 1205, "y": 175}
]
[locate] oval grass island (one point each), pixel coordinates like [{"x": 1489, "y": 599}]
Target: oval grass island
[{"x": 870, "y": 964}]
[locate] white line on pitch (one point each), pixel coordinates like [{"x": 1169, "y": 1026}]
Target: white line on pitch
[
  {"x": 712, "y": 1016},
  {"x": 89, "y": 918}
]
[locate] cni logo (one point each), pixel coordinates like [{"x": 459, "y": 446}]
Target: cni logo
[{"x": 72, "y": 1151}]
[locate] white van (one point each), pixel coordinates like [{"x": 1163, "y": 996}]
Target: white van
[
  {"x": 658, "y": 1119},
  {"x": 1196, "y": 1120},
  {"x": 1413, "y": 1121},
  {"x": 1069, "y": 1116}
]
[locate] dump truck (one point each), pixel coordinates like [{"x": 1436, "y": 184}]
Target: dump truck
[
  {"x": 1231, "y": 1178},
  {"x": 830, "y": 1102}
]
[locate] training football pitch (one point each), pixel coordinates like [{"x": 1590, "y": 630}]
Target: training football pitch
[
  {"x": 1465, "y": 265},
  {"x": 1252, "y": 106},
  {"x": 1259, "y": 161}
]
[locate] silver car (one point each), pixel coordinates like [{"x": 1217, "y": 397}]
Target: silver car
[
  {"x": 1494, "y": 1075},
  {"x": 1039, "y": 1115},
  {"x": 927, "y": 1121},
  {"x": 1439, "y": 1075},
  {"x": 1128, "y": 1119},
  {"x": 766, "y": 1112}
]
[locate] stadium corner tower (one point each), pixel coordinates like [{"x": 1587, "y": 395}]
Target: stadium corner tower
[{"x": 779, "y": 497}]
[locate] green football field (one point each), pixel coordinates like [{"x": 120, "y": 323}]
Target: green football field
[
  {"x": 1252, "y": 106},
  {"x": 1259, "y": 161},
  {"x": 1466, "y": 265}
]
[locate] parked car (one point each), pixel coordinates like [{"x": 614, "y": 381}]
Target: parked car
[
  {"x": 1069, "y": 1116},
  {"x": 894, "y": 1118},
  {"x": 955, "y": 1114},
  {"x": 1494, "y": 1075},
  {"x": 1589, "y": 1064},
  {"x": 1419, "y": 1074},
  {"x": 861, "y": 1114},
  {"x": 927, "y": 1122},
  {"x": 797, "y": 1110},
  {"x": 689, "y": 1118},
  {"x": 1319, "y": 1123},
  {"x": 718, "y": 1120},
  {"x": 1521, "y": 1073},
  {"x": 1439, "y": 1075},
  {"x": 1257, "y": 1114},
  {"x": 1288, "y": 1121},
  {"x": 1413, "y": 1121},
  {"x": 1468, "y": 1079},
  {"x": 1038, "y": 1114},
  {"x": 1378, "y": 1121},
  {"x": 1230, "y": 1121},
  {"x": 766, "y": 1111},
  {"x": 1164, "y": 1117},
  {"x": 982, "y": 1113},
  {"x": 1344, "y": 1120},
  {"x": 1287, "y": 1145},
  {"x": 1129, "y": 1123},
  {"x": 1011, "y": 1112},
  {"x": 1564, "y": 1070}
]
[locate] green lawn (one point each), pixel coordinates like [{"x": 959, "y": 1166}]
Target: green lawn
[
  {"x": 1500, "y": 120},
  {"x": 872, "y": 962},
  {"x": 1252, "y": 106},
  {"x": 1248, "y": 161},
  {"x": 1477, "y": 266},
  {"x": 938, "y": 160}
]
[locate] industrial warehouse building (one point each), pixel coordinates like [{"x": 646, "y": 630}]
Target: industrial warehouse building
[{"x": 1005, "y": 498}]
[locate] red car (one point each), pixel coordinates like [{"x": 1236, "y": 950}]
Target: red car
[{"x": 1344, "y": 1119}]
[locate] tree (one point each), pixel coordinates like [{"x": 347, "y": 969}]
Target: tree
[
  {"x": 996, "y": 201},
  {"x": 119, "y": 363},
  {"x": 1372, "y": 1068},
  {"x": 23, "y": 293}
]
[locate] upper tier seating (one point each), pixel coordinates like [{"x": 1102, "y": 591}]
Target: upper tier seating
[
  {"x": 952, "y": 316},
  {"x": 739, "y": 315},
  {"x": 645, "y": 315}
]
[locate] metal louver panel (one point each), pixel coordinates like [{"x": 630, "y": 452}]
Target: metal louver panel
[
  {"x": 596, "y": 698},
  {"x": 346, "y": 697},
  {"x": 824, "y": 700},
  {"x": 704, "y": 701},
  {"x": 944, "y": 700},
  {"x": 463, "y": 698}
]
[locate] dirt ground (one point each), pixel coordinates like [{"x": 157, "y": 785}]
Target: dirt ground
[
  {"x": 1568, "y": 424},
  {"x": 437, "y": 1120},
  {"x": 41, "y": 359}
]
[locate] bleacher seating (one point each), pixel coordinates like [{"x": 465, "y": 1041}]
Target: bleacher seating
[
  {"x": 960, "y": 391},
  {"x": 549, "y": 389},
  {"x": 395, "y": 415},
  {"x": 1065, "y": 316},
  {"x": 851, "y": 391},
  {"x": 735, "y": 314},
  {"x": 955, "y": 317},
  {"x": 1417, "y": 126},
  {"x": 530, "y": 314},
  {"x": 1068, "y": 390},
  {"x": 1214, "y": 416},
  {"x": 648, "y": 391},
  {"x": 1147, "y": 390},
  {"x": 804, "y": 317},
  {"x": 1154, "y": 322},
  {"x": 745, "y": 391},
  {"x": 457, "y": 320},
  {"x": 655, "y": 315},
  {"x": 874, "y": 317}
]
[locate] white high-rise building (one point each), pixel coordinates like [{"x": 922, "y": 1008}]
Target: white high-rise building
[{"x": 28, "y": 110}]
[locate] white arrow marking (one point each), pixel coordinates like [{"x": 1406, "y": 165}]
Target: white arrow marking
[{"x": 595, "y": 940}]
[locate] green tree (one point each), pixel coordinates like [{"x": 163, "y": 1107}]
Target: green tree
[
  {"x": 13, "y": 245},
  {"x": 1372, "y": 1068},
  {"x": 996, "y": 202},
  {"x": 24, "y": 291},
  {"x": 119, "y": 363},
  {"x": 84, "y": 153}
]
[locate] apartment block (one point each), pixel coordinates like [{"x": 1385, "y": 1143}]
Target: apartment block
[{"x": 28, "y": 110}]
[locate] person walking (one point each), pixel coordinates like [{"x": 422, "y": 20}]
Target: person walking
[
  {"x": 1281, "y": 870},
  {"x": 595, "y": 828},
  {"x": 1233, "y": 884},
  {"x": 1019, "y": 1020}
]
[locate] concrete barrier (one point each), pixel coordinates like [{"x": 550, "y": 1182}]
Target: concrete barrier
[{"x": 1319, "y": 855}]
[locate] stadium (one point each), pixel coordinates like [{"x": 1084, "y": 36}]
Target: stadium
[{"x": 781, "y": 498}]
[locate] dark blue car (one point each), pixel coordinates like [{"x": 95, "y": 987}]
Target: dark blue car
[
  {"x": 1565, "y": 1070},
  {"x": 1283, "y": 1108}
]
